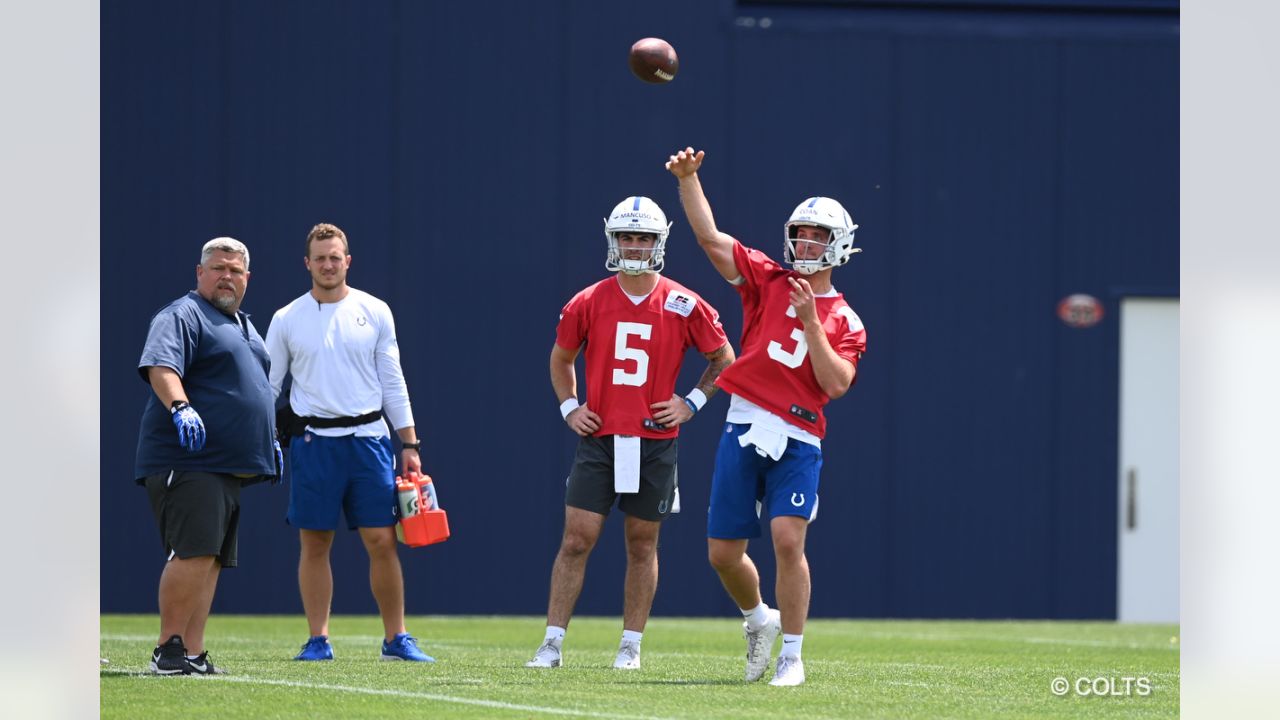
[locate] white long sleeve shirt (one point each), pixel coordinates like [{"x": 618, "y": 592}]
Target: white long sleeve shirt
[{"x": 344, "y": 359}]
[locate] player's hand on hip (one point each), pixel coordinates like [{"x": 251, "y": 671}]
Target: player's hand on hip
[
  {"x": 190, "y": 428},
  {"x": 672, "y": 412},
  {"x": 583, "y": 421},
  {"x": 802, "y": 299},
  {"x": 685, "y": 162}
]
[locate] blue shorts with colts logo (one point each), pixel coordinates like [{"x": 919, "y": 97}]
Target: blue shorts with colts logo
[
  {"x": 747, "y": 486},
  {"x": 348, "y": 474}
]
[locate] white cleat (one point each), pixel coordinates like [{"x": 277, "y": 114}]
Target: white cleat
[
  {"x": 760, "y": 645},
  {"x": 548, "y": 656},
  {"x": 790, "y": 672},
  {"x": 628, "y": 656}
]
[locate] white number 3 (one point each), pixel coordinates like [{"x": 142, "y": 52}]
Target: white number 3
[
  {"x": 795, "y": 357},
  {"x": 622, "y": 352}
]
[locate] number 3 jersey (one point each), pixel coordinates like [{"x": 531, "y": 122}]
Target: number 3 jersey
[
  {"x": 634, "y": 352},
  {"x": 773, "y": 369}
]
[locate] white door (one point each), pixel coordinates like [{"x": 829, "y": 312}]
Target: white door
[{"x": 1148, "y": 549}]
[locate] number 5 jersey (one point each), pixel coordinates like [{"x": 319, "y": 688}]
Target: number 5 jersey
[{"x": 634, "y": 351}]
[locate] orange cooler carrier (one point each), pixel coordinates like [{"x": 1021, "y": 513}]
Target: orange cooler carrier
[{"x": 422, "y": 522}]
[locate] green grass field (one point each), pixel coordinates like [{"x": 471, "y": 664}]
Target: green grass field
[{"x": 692, "y": 668}]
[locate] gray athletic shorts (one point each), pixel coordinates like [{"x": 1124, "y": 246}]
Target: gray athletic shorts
[
  {"x": 590, "y": 482},
  {"x": 198, "y": 513}
]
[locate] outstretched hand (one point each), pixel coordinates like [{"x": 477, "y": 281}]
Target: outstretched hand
[{"x": 685, "y": 163}]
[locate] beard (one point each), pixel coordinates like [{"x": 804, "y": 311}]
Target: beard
[{"x": 224, "y": 300}]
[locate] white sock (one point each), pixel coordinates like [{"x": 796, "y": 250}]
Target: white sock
[
  {"x": 554, "y": 634},
  {"x": 791, "y": 644},
  {"x": 631, "y": 636},
  {"x": 756, "y": 616}
]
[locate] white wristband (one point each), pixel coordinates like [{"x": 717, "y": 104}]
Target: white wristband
[
  {"x": 697, "y": 397},
  {"x": 568, "y": 406}
]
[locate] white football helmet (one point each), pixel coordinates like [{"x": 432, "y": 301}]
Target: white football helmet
[
  {"x": 825, "y": 213},
  {"x": 636, "y": 215}
]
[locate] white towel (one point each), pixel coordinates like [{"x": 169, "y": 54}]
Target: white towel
[
  {"x": 769, "y": 443},
  {"x": 626, "y": 463}
]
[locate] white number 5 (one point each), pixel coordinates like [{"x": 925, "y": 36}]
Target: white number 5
[{"x": 622, "y": 352}]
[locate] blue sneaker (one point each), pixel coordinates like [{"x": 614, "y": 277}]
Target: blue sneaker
[
  {"x": 404, "y": 647},
  {"x": 317, "y": 648}
]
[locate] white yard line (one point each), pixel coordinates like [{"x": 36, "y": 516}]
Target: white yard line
[
  {"x": 240, "y": 639},
  {"x": 408, "y": 694},
  {"x": 933, "y": 637}
]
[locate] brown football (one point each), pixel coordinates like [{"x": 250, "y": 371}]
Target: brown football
[{"x": 653, "y": 60}]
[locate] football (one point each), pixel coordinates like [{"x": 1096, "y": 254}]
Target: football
[{"x": 653, "y": 60}]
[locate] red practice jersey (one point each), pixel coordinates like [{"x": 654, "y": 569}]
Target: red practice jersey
[
  {"x": 634, "y": 351},
  {"x": 773, "y": 369}
]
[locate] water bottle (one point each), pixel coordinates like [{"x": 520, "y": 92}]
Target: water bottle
[
  {"x": 407, "y": 496},
  {"x": 428, "y": 491},
  {"x": 432, "y": 522},
  {"x": 407, "y": 499}
]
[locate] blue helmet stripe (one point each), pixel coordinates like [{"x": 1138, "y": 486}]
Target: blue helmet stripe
[
  {"x": 813, "y": 202},
  {"x": 636, "y": 206}
]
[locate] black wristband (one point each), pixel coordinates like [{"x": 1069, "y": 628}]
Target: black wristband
[
  {"x": 178, "y": 405},
  {"x": 415, "y": 445}
]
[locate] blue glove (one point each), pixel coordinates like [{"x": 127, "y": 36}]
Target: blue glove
[
  {"x": 190, "y": 426},
  {"x": 279, "y": 462}
]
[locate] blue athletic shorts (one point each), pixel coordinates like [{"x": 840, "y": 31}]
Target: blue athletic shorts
[
  {"x": 747, "y": 485},
  {"x": 348, "y": 473}
]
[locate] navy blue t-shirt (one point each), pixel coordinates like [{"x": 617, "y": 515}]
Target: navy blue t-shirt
[{"x": 224, "y": 367}]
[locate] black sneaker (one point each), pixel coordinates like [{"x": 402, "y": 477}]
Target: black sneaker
[
  {"x": 202, "y": 665},
  {"x": 170, "y": 658}
]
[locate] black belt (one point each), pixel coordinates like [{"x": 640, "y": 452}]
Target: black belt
[
  {"x": 341, "y": 422},
  {"x": 289, "y": 425}
]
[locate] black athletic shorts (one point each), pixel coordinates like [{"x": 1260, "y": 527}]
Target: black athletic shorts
[
  {"x": 198, "y": 513},
  {"x": 590, "y": 482}
]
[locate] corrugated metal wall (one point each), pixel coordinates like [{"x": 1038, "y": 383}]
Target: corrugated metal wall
[{"x": 996, "y": 161}]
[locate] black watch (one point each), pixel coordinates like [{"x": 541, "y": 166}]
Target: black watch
[{"x": 415, "y": 445}]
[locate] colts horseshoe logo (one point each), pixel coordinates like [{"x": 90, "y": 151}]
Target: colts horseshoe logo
[{"x": 797, "y": 503}]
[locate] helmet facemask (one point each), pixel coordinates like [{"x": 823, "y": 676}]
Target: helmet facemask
[
  {"x": 650, "y": 260},
  {"x": 636, "y": 215},
  {"x": 823, "y": 213}
]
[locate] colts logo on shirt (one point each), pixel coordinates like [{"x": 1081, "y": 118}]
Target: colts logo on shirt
[{"x": 679, "y": 303}]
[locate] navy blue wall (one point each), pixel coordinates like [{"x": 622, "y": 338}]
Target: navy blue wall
[{"x": 996, "y": 161}]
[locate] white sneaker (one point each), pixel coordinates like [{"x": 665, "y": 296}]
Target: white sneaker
[
  {"x": 628, "y": 656},
  {"x": 760, "y": 644},
  {"x": 790, "y": 671},
  {"x": 548, "y": 656}
]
